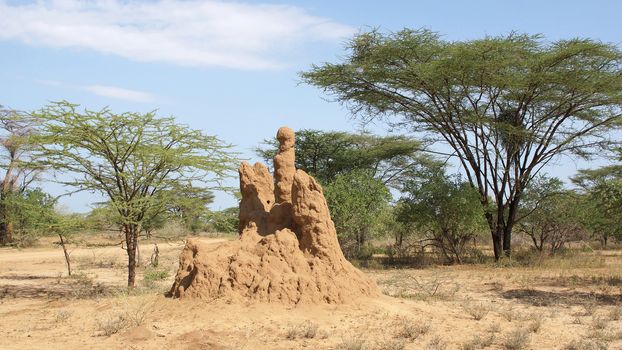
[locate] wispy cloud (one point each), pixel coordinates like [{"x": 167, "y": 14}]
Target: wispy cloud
[
  {"x": 120, "y": 93},
  {"x": 193, "y": 32},
  {"x": 108, "y": 91}
]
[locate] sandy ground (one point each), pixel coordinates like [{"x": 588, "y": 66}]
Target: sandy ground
[{"x": 576, "y": 305}]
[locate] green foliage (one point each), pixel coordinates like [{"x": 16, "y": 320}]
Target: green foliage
[
  {"x": 446, "y": 210},
  {"x": 603, "y": 200},
  {"x": 224, "y": 221},
  {"x": 19, "y": 166},
  {"x": 356, "y": 200},
  {"x": 326, "y": 154},
  {"x": 31, "y": 214},
  {"x": 103, "y": 217},
  {"x": 505, "y": 105},
  {"x": 403, "y": 232},
  {"x": 153, "y": 274},
  {"x": 183, "y": 203},
  {"x": 551, "y": 215},
  {"x": 132, "y": 158}
]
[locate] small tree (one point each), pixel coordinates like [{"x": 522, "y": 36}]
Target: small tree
[
  {"x": 603, "y": 189},
  {"x": 445, "y": 210},
  {"x": 31, "y": 213},
  {"x": 103, "y": 217},
  {"x": 356, "y": 200},
  {"x": 403, "y": 232},
  {"x": 224, "y": 221},
  {"x": 131, "y": 158},
  {"x": 551, "y": 215}
]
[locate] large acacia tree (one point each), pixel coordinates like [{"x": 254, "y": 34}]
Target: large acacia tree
[
  {"x": 131, "y": 158},
  {"x": 327, "y": 154},
  {"x": 505, "y": 106},
  {"x": 17, "y": 164}
]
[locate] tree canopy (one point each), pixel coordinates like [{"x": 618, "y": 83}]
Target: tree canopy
[
  {"x": 132, "y": 158},
  {"x": 445, "y": 209},
  {"x": 506, "y": 106},
  {"x": 326, "y": 154}
]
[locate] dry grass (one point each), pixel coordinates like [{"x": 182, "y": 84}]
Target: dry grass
[
  {"x": 307, "y": 329},
  {"x": 615, "y": 314},
  {"x": 353, "y": 344},
  {"x": 599, "y": 323},
  {"x": 534, "y": 323},
  {"x": 518, "y": 339},
  {"x": 510, "y": 313},
  {"x": 411, "y": 287},
  {"x": 132, "y": 313},
  {"x": 62, "y": 315},
  {"x": 436, "y": 343},
  {"x": 85, "y": 287},
  {"x": 479, "y": 342},
  {"x": 586, "y": 344},
  {"x": 391, "y": 344},
  {"x": 411, "y": 330},
  {"x": 472, "y": 307},
  {"x": 476, "y": 310}
]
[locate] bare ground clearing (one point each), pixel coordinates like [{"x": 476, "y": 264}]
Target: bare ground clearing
[{"x": 454, "y": 307}]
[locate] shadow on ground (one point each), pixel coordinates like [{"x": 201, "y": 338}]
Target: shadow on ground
[{"x": 566, "y": 298}]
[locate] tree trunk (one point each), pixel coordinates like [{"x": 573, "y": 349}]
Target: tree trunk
[
  {"x": 62, "y": 243},
  {"x": 137, "y": 252},
  {"x": 130, "y": 239},
  {"x": 507, "y": 240},
  {"x": 497, "y": 243},
  {"x": 496, "y": 233}
]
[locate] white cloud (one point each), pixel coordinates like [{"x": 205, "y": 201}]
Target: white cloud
[
  {"x": 104, "y": 91},
  {"x": 193, "y": 32},
  {"x": 120, "y": 93}
]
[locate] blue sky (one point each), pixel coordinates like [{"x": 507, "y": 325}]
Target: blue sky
[{"x": 230, "y": 68}]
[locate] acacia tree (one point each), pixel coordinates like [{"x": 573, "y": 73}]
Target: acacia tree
[
  {"x": 444, "y": 209},
  {"x": 356, "y": 201},
  {"x": 551, "y": 215},
  {"x": 603, "y": 189},
  {"x": 131, "y": 158},
  {"x": 17, "y": 163},
  {"x": 183, "y": 202},
  {"x": 326, "y": 154},
  {"x": 505, "y": 106}
]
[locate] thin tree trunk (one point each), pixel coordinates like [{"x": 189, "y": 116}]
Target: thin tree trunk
[
  {"x": 497, "y": 242},
  {"x": 137, "y": 252},
  {"x": 507, "y": 240},
  {"x": 67, "y": 261},
  {"x": 497, "y": 238},
  {"x": 130, "y": 239}
]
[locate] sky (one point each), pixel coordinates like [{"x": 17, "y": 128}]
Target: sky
[{"x": 230, "y": 68}]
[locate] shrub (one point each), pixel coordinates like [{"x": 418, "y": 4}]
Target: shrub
[
  {"x": 306, "y": 329},
  {"x": 479, "y": 342},
  {"x": 356, "y": 201},
  {"x": 517, "y": 340},
  {"x": 408, "y": 329},
  {"x": 586, "y": 345},
  {"x": 477, "y": 310},
  {"x": 352, "y": 344}
]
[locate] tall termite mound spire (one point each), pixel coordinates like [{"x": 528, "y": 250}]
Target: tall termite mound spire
[
  {"x": 285, "y": 165},
  {"x": 288, "y": 250}
]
